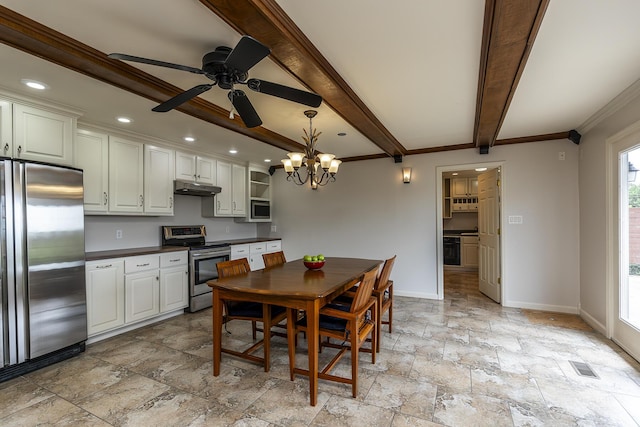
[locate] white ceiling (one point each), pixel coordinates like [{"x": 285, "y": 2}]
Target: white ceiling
[{"x": 414, "y": 63}]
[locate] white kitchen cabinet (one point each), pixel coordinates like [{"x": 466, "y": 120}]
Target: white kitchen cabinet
[
  {"x": 464, "y": 187},
  {"x": 239, "y": 190},
  {"x": 142, "y": 287},
  {"x": 239, "y": 251},
  {"x": 42, "y": 135},
  {"x": 91, "y": 154},
  {"x": 253, "y": 252},
  {"x": 158, "y": 180},
  {"x": 126, "y": 183},
  {"x": 189, "y": 167},
  {"x": 255, "y": 255},
  {"x": 105, "y": 295},
  {"x": 469, "y": 255},
  {"x": 174, "y": 281},
  {"x": 6, "y": 128},
  {"x": 231, "y": 201}
]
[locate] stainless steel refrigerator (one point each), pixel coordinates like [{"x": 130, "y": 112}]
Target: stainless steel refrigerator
[{"x": 42, "y": 286}]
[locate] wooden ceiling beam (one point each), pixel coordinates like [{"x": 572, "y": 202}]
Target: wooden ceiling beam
[
  {"x": 36, "y": 39},
  {"x": 510, "y": 28},
  {"x": 264, "y": 20}
]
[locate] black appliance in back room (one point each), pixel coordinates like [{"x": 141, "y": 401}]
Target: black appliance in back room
[{"x": 43, "y": 315}]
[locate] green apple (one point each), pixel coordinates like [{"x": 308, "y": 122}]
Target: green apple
[
  {"x": 314, "y": 259},
  {"x": 320, "y": 257},
  {"x": 307, "y": 258}
]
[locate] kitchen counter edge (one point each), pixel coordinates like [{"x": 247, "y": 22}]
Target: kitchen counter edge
[{"x": 120, "y": 253}]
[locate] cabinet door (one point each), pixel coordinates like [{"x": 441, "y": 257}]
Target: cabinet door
[
  {"x": 105, "y": 295},
  {"x": 174, "y": 290},
  {"x": 185, "y": 166},
  {"x": 42, "y": 135},
  {"x": 274, "y": 246},
  {"x": 92, "y": 156},
  {"x": 125, "y": 176},
  {"x": 255, "y": 255},
  {"x": 6, "y": 128},
  {"x": 223, "y": 180},
  {"x": 239, "y": 189},
  {"x": 239, "y": 251},
  {"x": 142, "y": 299},
  {"x": 459, "y": 187},
  {"x": 158, "y": 180},
  {"x": 470, "y": 255},
  {"x": 206, "y": 170},
  {"x": 472, "y": 186}
]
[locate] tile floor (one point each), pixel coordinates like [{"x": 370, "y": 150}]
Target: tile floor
[{"x": 464, "y": 361}]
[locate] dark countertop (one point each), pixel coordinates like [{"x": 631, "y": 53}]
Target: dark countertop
[
  {"x": 459, "y": 232},
  {"x": 119, "y": 253}
]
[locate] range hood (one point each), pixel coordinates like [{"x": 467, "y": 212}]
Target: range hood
[{"x": 194, "y": 189}]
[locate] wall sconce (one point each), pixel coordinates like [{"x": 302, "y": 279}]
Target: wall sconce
[
  {"x": 406, "y": 175},
  {"x": 633, "y": 171}
]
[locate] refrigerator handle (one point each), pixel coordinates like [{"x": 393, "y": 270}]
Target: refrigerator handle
[{"x": 19, "y": 264}]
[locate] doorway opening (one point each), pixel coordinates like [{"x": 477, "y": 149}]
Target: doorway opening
[{"x": 468, "y": 223}]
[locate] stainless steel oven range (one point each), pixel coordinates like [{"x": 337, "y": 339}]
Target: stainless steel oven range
[{"x": 203, "y": 258}]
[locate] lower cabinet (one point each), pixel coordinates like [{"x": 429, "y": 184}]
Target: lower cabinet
[
  {"x": 470, "y": 255},
  {"x": 105, "y": 295},
  {"x": 253, "y": 252},
  {"x": 124, "y": 291}
]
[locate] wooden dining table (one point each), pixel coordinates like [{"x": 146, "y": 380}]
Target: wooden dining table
[{"x": 293, "y": 286}]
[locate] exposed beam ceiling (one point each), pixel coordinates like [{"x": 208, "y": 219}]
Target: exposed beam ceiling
[{"x": 510, "y": 28}]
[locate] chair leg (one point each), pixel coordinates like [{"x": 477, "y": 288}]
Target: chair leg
[
  {"x": 378, "y": 320},
  {"x": 354, "y": 362},
  {"x": 390, "y": 306},
  {"x": 292, "y": 340},
  {"x": 254, "y": 328}
]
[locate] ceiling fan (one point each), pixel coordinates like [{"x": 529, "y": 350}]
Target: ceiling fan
[{"x": 229, "y": 67}]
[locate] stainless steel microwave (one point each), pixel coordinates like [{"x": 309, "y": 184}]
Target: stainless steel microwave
[{"x": 260, "y": 209}]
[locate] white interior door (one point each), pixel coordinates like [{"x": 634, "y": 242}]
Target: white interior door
[
  {"x": 489, "y": 234},
  {"x": 626, "y": 239}
]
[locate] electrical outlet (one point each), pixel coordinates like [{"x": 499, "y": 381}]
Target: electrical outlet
[
  {"x": 118, "y": 234},
  {"x": 227, "y": 229},
  {"x": 273, "y": 228},
  {"x": 560, "y": 155}
]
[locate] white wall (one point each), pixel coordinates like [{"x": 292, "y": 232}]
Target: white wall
[
  {"x": 140, "y": 232},
  {"x": 593, "y": 208},
  {"x": 370, "y": 213}
]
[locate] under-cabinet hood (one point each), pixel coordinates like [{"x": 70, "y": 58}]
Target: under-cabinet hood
[{"x": 194, "y": 188}]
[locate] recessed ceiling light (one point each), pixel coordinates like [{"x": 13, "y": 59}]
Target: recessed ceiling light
[
  {"x": 124, "y": 120},
  {"x": 189, "y": 139},
  {"x": 233, "y": 151},
  {"x": 481, "y": 169},
  {"x": 267, "y": 160},
  {"x": 455, "y": 173},
  {"x": 342, "y": 134},
  {"x": 34, "y": 84}
]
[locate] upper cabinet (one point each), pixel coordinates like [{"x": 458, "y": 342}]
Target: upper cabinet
[
  {"x": 464, "y": 187},
  {"x": 38, "y": 134},
  {"x": 158, "y": 182},
  {"x": 91, "y": 152},
  {"x": 124, "y": 177},
  {"x": 190, "y": 167},
  {"x": 258, "y": 196},
  {"x": 232, "y": 199}
]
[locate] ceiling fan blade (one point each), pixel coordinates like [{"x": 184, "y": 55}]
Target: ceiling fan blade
[
  {"x": 300, "y": 96},
  {"x": 181, "y": 98},
  {"x": 247, "y": 53},
  {"x": 131, "y": 58},
  {"x": 244, "y": 108}
]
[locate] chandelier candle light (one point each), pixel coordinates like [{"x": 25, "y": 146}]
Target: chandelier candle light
[{"x": 327, "y": 162}]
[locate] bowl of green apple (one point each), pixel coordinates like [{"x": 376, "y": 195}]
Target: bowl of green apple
[{"x": 313, "y": 262}]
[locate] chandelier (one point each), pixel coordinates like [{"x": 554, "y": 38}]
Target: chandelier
[{"x": 320, "y": 169}]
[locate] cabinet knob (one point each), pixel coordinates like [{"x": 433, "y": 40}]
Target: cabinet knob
[
  {"x": 105, "y": 198},
  {"x": 170, "y": 202},
  {"x": 141, "y": 200},
  {"x": 19, "y": 149},
  {"x": 6, "y": 148}
]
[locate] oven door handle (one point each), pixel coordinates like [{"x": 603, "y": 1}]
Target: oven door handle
[{"x": 210, "y": 254}]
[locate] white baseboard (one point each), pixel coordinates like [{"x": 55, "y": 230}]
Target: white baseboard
[
  {"x": 591, "y": 321},
  {"x": 541, "y": 307},
  {"x": 422, "y": 295},
  {"x": 130, "y": 327}
]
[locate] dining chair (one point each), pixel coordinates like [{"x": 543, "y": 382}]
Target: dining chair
[
  {"x": 273, "y": 258},
  {"x": 268, "y": 314},
  {"x": 383, "y": 292},
  {"x": 350, "y": 325}
]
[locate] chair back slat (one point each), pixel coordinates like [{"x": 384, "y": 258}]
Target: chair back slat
[
  {"x": 233, "y": 267},
  {"x": 364, "y": 290},
  {"x": 273, "y": 258},
  {"x": 385, "y": 273}
]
